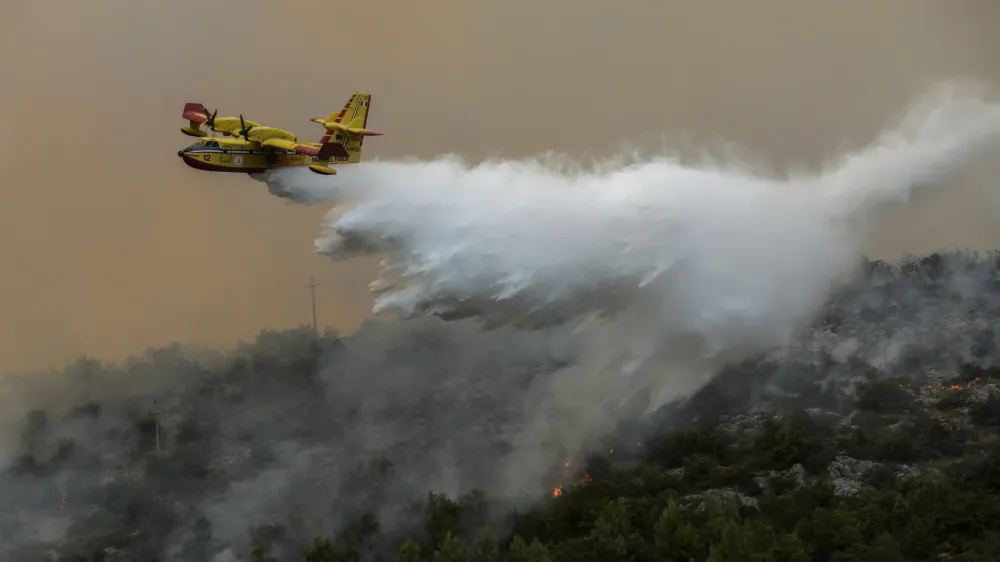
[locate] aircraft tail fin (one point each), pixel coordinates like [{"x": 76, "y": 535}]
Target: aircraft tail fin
[
  {"x": 355, "y": 111},
  {"x": 349, "y": 126},
  {"x": 196, "y": 114}
]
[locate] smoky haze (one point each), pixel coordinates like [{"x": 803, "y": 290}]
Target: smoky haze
[
  {"x": 687, "y": 266},
  {"x": 110, "y": 243}
]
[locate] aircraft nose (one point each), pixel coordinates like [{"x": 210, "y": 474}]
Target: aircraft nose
[{"x": 180, "y": 153}]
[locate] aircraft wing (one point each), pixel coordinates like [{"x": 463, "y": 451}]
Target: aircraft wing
[
  {"x": 283, "y": 144},
  {"x": 312, "y": 149}
]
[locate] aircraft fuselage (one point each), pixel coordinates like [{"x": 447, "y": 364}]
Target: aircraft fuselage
[{"x": 212, "y": 156}]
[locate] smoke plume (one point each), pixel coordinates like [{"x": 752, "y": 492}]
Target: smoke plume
[{"x": 650, "y": 244}]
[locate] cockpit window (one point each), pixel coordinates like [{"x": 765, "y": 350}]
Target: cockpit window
[{"x": 204, "y": 146}]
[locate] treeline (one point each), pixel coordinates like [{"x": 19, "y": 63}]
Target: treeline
[{"x": 930, "y": 490}]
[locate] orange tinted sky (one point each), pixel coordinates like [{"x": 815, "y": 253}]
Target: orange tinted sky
[{"x": 110, "y": 244}]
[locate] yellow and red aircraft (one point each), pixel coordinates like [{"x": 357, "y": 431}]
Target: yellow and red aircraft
[{"x": 251, "y": 148}]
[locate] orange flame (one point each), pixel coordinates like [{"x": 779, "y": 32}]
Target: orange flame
[{"x": 557, "y": 491}]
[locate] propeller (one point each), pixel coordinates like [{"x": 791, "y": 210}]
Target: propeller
[
  {"x": 210, "y": 119},
  {"x": 243, "y": 129}
]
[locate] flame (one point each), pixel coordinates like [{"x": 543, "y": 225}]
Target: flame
[
  {"x": 611, "y": 451},
  {"x": 557, "y": 491},
  {"x": 941, "y": 385}
]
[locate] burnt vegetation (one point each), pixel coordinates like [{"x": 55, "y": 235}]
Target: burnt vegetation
[{"x": 873, "y": 438}]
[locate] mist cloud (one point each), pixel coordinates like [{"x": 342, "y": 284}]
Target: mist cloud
[{"x": 653, "y": 243}]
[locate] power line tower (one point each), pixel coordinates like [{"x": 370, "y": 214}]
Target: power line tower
[
  {"x": 157, "y": 422},
  {"x": 312, "y": 293}
]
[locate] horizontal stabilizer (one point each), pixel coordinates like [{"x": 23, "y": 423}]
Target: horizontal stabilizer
[
  {"x": 334, "y": 126},
  {"x": 195, "y": 112}
]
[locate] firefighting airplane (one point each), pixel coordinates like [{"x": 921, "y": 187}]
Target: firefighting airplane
[{"x": 253, "y": 148}]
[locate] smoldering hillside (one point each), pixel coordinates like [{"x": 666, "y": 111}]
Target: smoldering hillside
[{"x": 288, "y": 437}]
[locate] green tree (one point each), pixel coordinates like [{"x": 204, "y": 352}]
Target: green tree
[
  {"x": 831, "y": 531},
  {"x": 485, "y": 548},
  {"x": 797, "y": 440},
  {"x": 675, "y": 536},
  {"x": 409, "y": 551},
  {"x": 789, "y": 548},
  {"x": 320, "y": 551},
  {"x": 613, "y": 537},
  {"x": 755, "y": 541},
  {"x": 441, "y": 515},
  {"x": 537, "y": 552},
  {"x": 734, "y": 544},
  {"x": 449, "y": 550},
  {"x": 607, "y": 544},
  {"x": 518, "y": 551}
]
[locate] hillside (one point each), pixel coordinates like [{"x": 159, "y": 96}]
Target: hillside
[{"x": 871, "y": 438}]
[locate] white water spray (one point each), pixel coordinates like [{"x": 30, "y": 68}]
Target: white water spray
[{"x": 698, "y": 265}]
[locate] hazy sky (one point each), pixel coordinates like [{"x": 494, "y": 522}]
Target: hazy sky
[{"x": 110, "y": 244}]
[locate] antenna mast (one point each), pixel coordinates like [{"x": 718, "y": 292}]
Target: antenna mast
[{"x": 312, "y": 293}]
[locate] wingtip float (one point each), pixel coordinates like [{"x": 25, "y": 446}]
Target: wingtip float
[{"x": 251, "y": 148}]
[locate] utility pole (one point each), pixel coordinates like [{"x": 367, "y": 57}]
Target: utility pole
[
  {"x": 312, "y": 292},
  {"x": 157, "y": 422}
]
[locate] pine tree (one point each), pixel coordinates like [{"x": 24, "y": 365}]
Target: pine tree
[
  {"x": 450, "y": 550},
  {"x": 409, "y": 551},
  {"x": 517, "y": 551},
  {"x": 611, "y": 530},
  {"x": 676, "y": 539},
  {"x": 734, "y": 544},
  {"x": 537, "y": 552},
  {"x": 485, "y": 549}
]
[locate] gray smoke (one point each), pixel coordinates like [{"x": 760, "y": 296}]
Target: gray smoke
[{"x": 639, "y": 254}]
